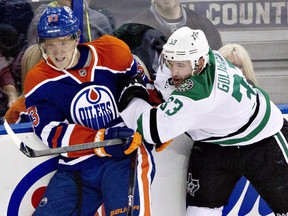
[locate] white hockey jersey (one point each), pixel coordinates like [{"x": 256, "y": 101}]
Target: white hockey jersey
[{"x": 218, "y": 106}]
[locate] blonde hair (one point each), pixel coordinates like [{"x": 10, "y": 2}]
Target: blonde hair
[
  {"x": 31, "y": 57},
  {"x": 235, "y": 53}
]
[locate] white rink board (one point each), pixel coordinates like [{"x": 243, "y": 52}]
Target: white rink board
[
  {"x": 19, "y": 170},
  {"x": 22, "y": 178}
]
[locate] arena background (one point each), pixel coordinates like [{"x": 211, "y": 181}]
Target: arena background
[{"x": 259, "y": 25}]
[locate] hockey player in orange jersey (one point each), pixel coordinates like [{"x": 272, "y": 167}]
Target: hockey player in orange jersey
[{"x": 72, "y": 97}]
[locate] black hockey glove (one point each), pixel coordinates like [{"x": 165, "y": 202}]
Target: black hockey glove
[{"x": 134, "y": 87}]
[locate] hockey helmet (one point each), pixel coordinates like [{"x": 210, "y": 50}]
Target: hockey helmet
[
  {"x": 57, "y": 22},
  {"x": 187, "y": 44}
]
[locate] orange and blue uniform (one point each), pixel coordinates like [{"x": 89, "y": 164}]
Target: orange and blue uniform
[{"x": 69, "y": 107}]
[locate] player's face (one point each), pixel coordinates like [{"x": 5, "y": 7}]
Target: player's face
[
  {"x": 60, "y": 50},
  {"x": 180, "y": 70},
  {"x": 167, "y": 5}
]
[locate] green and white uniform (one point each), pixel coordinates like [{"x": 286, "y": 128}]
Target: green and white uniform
[
  {"x": 218, "y": 106},
  {"x": 237, "y": 130}
]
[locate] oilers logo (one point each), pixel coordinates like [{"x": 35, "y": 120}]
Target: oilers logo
[{"x": 94, "y": 107}]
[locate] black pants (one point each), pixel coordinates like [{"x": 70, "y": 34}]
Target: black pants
[{"x": 214, "y": 170}]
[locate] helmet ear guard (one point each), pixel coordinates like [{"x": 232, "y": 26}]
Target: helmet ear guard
[{"x": 187, "y": 44}]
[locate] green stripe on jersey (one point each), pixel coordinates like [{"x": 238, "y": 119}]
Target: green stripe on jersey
[
  {"x": 282, "y": 144},
  {"x": 139, "y": 126}
]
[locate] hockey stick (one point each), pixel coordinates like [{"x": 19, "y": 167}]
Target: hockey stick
[
  {"x": 32, "y": 153},
  {"x": 132, "y": 182}
]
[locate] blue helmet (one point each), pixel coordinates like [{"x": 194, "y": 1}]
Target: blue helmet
[{"x": 57, "y": 22}]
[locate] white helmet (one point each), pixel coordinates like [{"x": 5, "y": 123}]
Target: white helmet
[{"x": 187, "y": 44}]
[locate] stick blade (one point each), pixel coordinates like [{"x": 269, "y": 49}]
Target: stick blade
[{"x": 27, "y": 150}]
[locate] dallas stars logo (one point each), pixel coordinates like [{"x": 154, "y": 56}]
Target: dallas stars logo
[
  {"x": 195, "y": 35},
  {"x": 192, "y": 185},
  {"x": 185, "y": 86}
]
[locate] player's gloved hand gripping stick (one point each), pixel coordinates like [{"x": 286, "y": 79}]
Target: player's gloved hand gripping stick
[
  {"x": 29, "y": 152},
  {"x": 133, "y": 142},
  {"x": 129, "y": 147}
]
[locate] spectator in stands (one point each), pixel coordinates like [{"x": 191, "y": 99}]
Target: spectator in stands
[
  {"x": 95, "y": 24},
  {"x": 144, "y": 42},
  {"x": 17, "y": 112},
  {"x": 17, "y": 13},
  {"x": 167, "y": 16},
  {"x": 163, "y": 18},
  {"x": 8, "y": 50},
  {"x": 239, "y": 57},
  {"x": 94, "y": 5},
  {"x": 7, "y": 83},
  {"x": 108, "y": 14}
]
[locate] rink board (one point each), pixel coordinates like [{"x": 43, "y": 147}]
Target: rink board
[{"x": 24, "y": 179}]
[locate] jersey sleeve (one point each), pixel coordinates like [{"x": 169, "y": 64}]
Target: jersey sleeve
[{"x": 168, "y": 120}]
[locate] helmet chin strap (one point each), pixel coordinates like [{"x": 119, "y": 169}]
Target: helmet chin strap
[
  {"x": 73, "y": 58},
  {"x": 45, "y": 56}
]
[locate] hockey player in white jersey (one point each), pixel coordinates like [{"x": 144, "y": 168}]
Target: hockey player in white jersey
[{"x": 237, "y": 130}]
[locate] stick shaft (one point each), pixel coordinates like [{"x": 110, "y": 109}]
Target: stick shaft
[
  {"x": 29, "y": 152},
  {"x": 76, "y": 147},
  {"x": 132, "y": 182}
]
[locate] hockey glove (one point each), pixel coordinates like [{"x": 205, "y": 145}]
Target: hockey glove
[
  {"x": 134, "y": 87},
  {"x": 127, "y": 148}
]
